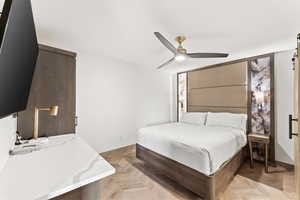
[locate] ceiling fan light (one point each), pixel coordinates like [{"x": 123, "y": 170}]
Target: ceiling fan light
[{"x": 180, "y": 57}]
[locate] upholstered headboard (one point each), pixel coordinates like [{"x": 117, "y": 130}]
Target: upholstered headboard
[{"x": 219, "y": 89}]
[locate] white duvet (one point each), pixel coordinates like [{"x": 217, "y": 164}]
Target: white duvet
[{"x": 203, "y": 148}]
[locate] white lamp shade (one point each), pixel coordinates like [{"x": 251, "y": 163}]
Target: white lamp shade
[{"x": 259, "y": 95}]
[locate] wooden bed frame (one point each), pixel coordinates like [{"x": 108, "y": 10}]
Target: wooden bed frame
[{"x": 207, "y": 187}]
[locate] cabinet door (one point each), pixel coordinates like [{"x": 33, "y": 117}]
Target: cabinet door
[{"x": 53, "y": 84}]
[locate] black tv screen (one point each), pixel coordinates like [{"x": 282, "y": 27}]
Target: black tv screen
[{"x": 18, "y": 55}]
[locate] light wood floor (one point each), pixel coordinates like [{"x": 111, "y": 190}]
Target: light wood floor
[{"x": 134, "y": 180}]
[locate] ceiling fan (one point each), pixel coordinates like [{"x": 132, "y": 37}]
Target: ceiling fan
[{"x": 180, "y": 53}]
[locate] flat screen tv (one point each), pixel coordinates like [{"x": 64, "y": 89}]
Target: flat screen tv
[{"x": 18, "y": 54}]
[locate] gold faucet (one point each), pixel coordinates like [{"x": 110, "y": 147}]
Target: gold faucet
[{"x": 53, "y": 111}]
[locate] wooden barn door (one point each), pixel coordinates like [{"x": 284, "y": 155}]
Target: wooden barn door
[{"x": 294, "y": 122}]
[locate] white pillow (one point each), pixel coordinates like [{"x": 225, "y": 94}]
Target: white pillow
[
  {"x": 7, "y": 138},
  {"x": 238, "y": 121},
  {"x": 194, "y": 118}
]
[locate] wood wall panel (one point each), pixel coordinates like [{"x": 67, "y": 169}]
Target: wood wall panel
[
  {"x": 219, "y": 89},
  {"x": 227, "y": 75},
  {"x": 217, "y": 109},
  {"x": 233, "y": 96}
]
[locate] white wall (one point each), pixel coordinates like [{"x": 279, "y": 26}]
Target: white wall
[
  {"x": 283, "y": 105},
  {"x": 174, "y": 88},
  {"x": 7, "y": 138},
  {"x": 115, "y": 98},
  {"x": 154, "y": 97},
  {"x": 105, "y": 102}
]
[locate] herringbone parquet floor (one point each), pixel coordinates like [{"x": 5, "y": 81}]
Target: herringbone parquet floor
[{"x": 134, "y": 180}]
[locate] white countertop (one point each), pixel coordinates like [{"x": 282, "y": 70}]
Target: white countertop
[{"x": 63, "y": 164}]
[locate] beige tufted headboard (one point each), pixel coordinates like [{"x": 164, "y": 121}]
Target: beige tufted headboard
[{"x": 221, "y": 88}]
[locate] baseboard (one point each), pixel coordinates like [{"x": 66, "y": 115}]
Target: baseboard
[
  {"x": 286, "y": 165},
  {"x": 123, "y": 148}
]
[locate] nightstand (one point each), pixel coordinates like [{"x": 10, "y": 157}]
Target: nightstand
[{"x": 262, "y": 139}]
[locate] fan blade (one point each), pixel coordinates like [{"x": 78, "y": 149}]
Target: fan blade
[
  {"x": 166, "y": 63},
  {"x": 165, "y": 42},
  {"x": 208, "y": 55}
]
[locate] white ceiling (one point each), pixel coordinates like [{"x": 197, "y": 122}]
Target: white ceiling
[{"x": 123, "y": 30}]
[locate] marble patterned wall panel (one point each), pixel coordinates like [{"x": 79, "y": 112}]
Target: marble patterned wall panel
[{"x": 261, "y": 95}]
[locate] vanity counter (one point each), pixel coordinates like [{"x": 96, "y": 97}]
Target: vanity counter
[{"x": 62, "y": 164}]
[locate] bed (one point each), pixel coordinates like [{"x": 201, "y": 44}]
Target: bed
[
  {"x": 203, "y": 148},
  {"x": 202, "y": 156},
  {"x": 183, "y": 151}
]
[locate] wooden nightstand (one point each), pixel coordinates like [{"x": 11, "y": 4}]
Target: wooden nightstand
[{"x": 262, "y": 139}]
